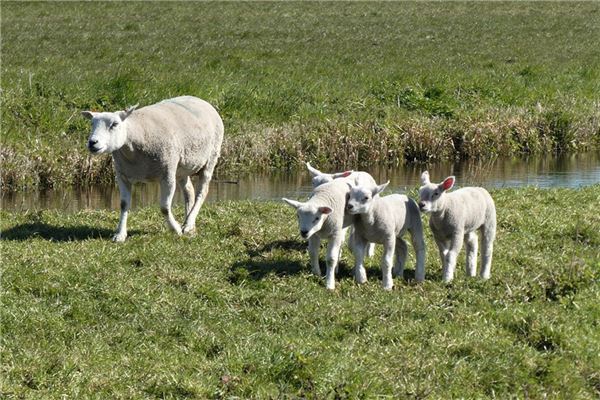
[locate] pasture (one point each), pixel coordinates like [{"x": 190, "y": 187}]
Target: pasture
[
  {"x": 339, "y": 84},
  {"x": 235, "y": 313}
]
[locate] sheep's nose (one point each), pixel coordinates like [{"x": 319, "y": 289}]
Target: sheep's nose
[
  {"x": 350, "y": 206},
  {"x": 304, "y": 233},
  {"x": 421, "y": 205},
  {"x": 92, "y": 143}
]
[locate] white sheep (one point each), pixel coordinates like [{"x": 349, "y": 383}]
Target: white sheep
[
  {"x": 166, "y": 142},
  {"x": 323, "y": 217},
  {"x": 359, "y": 178},
  {"x": 455, "y": 217},
  {"x": 385, "y": 220}
]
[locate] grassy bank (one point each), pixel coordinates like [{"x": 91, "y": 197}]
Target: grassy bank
[
  {"x": 340, "y": 84},
  {"x": 234, "y": 311}
]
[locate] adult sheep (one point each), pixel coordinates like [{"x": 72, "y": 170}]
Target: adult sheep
[{"x": 166, "y": 142}]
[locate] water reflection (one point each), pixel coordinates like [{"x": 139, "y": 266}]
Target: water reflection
[{"x": 566, "y": 171}]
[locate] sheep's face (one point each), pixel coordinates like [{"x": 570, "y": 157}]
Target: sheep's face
[
  {"x": 109, "y": 131},
  {"x": 431, "y": 194},
  {"x": 321, "y": 179},
  {"x": 310, "y": 217},
  {"x": 360, "y": 199}
]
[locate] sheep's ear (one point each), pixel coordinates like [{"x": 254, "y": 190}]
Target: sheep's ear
[
  {"x": 380, "y": 188},
  {"x": 87, "y": 114},
  {"x": 448, "y": 183},
  {"x": 127, "y": 112},
  {"x": 325, "y": 210},
  {"x": 344, "y": 174},
  {"x": 313, "y": 171},
  {"x": 351, "y": 185},
  {"x": 292, "y": 203},
  {"x": 425, "y": 178}
]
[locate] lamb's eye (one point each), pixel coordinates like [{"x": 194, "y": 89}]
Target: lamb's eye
[
  {"x": 113, "y": 125},
  {"x": 366, "y": 199},
  {"x": 316, "y": 219},
  {"x": 435, "y": 194}
]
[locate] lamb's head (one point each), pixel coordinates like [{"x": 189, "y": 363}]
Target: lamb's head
[
  {"x": 431, "y": 195},
  {"x": 310, "y": 216},
  {"x": 319, "y": 178},
  {"x": 108, "y": 130},
  {"x": 360, "y": 198}
]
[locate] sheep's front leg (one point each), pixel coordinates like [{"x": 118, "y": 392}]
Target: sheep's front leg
[
  {"x": 471, "y": 250},
  {"x": 125, "y": 192},
  {"x": 451, "y": 255},
  {"x": 359, "y": 248},
  {"x": 386, "y": 263},
  {"x": 314, "y": 245},
  {"x": 167, "y": 191},
  {"x": 333, "y": 252}
]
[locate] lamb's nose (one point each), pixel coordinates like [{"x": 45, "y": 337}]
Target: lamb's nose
[
  {"x": 421, "y": 205},
  {"x": 92, "y": 143},
  {"x": 304, "y": 233},
  {"x": 350, "y": 206}
]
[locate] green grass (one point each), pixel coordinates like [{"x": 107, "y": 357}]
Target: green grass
[
  {"x": 344, "y": 84},
  {"x": 235, "y": 313}
]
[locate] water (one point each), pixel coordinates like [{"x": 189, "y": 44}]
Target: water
[{"x": 566, "y": 171}]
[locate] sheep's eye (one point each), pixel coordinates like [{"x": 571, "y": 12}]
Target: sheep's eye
[
  {"x": 435, "y": 194},
  {"x": 316, "y": 219},
  {"x": 113, "y": 125},
  {"x": 366, "y": 199}
]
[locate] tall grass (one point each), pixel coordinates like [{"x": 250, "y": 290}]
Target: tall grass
[
  {"x": 235, "y": 313},
  {"x": 346, "y": 84}
]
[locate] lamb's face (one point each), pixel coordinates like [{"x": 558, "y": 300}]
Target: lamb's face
[
  {"x": 431, "y": 194},
  {"x": 108, "y": 132},
  {"x": 319, "y": 180},
  {"x": 310, "y": 217},
  {"x": 360, "y": 200}
]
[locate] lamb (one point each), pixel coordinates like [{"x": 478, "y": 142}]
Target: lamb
[
  {"x": 323, "y": 217},
  {"x": 360, "y": 178},
  {"x": 167, "y": 142},
  {"x": 456, "y": 216},
  {"x": 385, "y": 220}
]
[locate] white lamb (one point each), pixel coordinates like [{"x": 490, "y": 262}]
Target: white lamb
[
  {"x": 166, "y": 142},
  {"x": 323, "y": 217},
  {"x": 455, "y": 217},
  {"x": 385, "y": 220},
  {"x": 359, "y": 178}
]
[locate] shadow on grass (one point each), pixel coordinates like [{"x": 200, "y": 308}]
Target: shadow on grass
[
  {"x": 257, "y": 270},
  {"x": 278, "y": 245},
  {"x": 33, "y": 230}
]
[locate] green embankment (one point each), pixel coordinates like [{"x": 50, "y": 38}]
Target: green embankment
[
  {"x": 235, "y": 313},
  {"x": 341, "y": 84}
]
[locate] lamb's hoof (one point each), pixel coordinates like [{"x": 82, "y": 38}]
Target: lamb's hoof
[
  {"x": 119, "y": 237},
  {"x": 189, "y": 230},
  {"x": 316, "y": 272},
  {"x": 388, "y": 287},
  {"x": 331, "y": 287},
  {"x": 398, "y": 273}
]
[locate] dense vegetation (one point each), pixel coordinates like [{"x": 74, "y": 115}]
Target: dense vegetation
[
  {"x": 342, "y": 84},
  {"x": 235, "y": 313}
]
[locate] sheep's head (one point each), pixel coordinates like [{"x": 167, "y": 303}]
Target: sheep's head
[
  {"x": 431, "y": 194},
  {"x": 319, "y": 178},
  {"x": 108, "y": 130},
  {"x": 310, "y": 217},
  {"x": 360, "y": 199}
]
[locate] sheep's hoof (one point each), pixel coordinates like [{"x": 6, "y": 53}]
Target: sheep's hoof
[
  {"x": 119, "y": 237},
  {"x": 388, "y": 287},
  {"x": 189, "y": 230},
  {"x": 398, "y": 272}
]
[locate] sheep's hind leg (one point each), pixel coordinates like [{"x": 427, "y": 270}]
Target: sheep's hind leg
[
  {"x": 401, "y": 253},
  {"x": 188, "y": 193},
  {"x": 471, "y": 250},
  {"x": 202, "y": 186},
  {"x": 125, "y": 192},
  {"x": 167, "y": 191},
  {"x": 487, "y": 248}
]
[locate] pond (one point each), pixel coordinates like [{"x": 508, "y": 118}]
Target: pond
[{"x": 564, "y": 171}]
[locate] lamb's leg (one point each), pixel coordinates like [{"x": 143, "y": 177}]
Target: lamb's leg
[
  {"x": 125, "y": 192},
  {"x": 471, "y": 250},
  {"x": 370, "y": 250},
  {"x": 488, "y": 235},
  {"x": 167, "y": 191},
  {"x": 359, "y": 249},
  {"x": 188, "y": 193},
  {"x": 314, "y": 245},
  {"x": 401, "y": 253},
  {"x": 451, "y": 255},
  {"x": 333, "y": 252},
  {"x": 386, "y": 264},
  {"x": 344, "y": 230},
  {"x": 418, "y": 243},
  {"x": 201, "y": 192}
]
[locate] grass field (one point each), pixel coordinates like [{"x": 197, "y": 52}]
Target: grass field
[
  {"x": 235, "y": 313},
  {"x": 341, "y": 84}
]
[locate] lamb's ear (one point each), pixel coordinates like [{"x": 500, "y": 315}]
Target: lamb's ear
[
  {"x": 127, "y": 112},
  {"x": 380, "y": 188},
  {"x": 351, "y": 185},
  {"x": 292, "y": 203},
  {"x": 313, "y": 171},
  {"x": 344, "y": 174},
  {"x": 88, "y": 114},
  {"x": 448, "y": 183},
  {"x": 325, "y": 210},
  {"x": 425, "y": 178}
]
